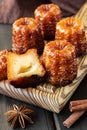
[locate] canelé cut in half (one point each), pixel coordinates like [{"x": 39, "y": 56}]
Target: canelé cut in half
[{"x": 24, "y": 70}]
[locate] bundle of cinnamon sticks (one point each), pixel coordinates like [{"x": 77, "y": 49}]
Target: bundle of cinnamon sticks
[{"x": 78, "y": 108}]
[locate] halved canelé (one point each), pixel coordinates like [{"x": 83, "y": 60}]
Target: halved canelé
[{"x": 25, "y": 70}]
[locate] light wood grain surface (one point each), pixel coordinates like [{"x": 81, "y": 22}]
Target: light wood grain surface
[{"x": 43, "y": 119}]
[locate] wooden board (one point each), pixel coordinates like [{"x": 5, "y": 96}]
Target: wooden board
[
  {"x": 48, "y": 96},
  {"x": 80, "y": 93}
]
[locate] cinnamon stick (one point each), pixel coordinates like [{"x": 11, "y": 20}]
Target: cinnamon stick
[
  {"x": 73, "y": 118},
  {"x": 78, "y": 105},
  {"x": 78, "y": 102}
]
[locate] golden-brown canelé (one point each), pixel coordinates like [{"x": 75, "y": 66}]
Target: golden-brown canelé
[
  {"x": 47, "y": 16},
  {"x": 25, "y": 70},
  {"x": 3, "y": 64},
  {"x": 72, "y": 30},
  {"x": 26, "y": 34},
  {"x": 59, "y": 59}
]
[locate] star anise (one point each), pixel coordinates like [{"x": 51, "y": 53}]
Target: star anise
[{"x": 19, "y": 114}]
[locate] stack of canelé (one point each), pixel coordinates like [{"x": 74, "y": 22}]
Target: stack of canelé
[{"x": 44, "y": 49}]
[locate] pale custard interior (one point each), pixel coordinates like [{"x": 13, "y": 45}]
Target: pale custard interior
[{"x": 26, "y": 66}]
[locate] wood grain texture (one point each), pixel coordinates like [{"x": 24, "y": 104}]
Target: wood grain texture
[
  {"x": 48, "y": 96},
  {"x": 81, "y": 92}
]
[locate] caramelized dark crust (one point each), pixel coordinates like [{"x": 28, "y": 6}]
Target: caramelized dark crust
[
  {"x": 26, "y": 34},
  {"x": 72, "y": 30},
  {"x": 3, "y": 64},
  {"x": 47, "y": 16},
  {"x": 26, "y": 82},
  {"x": 59, "y": 59}
]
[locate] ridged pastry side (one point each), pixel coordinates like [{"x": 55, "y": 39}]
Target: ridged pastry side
[
  {"x": 26, "y": 34},
  {"x": 59, "y": 59},
  {"x": 3, "y": 64},
  {"x": 72, "y": 30},
  {"x": 47, "y": 15}
]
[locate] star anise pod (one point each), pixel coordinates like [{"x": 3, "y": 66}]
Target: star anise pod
[{"x": 19, "y": 114}]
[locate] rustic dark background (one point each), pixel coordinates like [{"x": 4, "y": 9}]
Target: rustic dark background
[{"x": 44, "y": 120}]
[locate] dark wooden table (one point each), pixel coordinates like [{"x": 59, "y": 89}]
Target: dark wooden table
[
  {"x": 81, "y": 124},
  {"x": 43, "y": 119}
]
